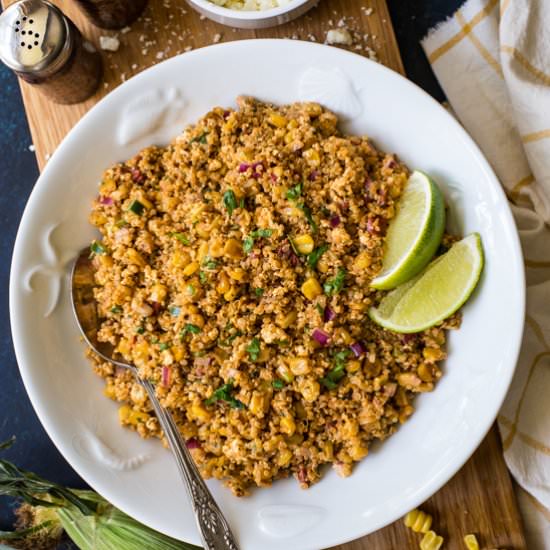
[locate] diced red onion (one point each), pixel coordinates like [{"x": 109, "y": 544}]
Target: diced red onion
[
  {"x": 344, "y": 206},
  {"x": 156, "y": 307},
  {"x": 320, "y": 336},
  {"x": 335, "y": 220},
  {"x": 107, "y": 201},
  {"x": 243, "y": 167},
  {"x": 357, "y": 349},
  {"x": 226, "y": 114},
  {"x": 273, "y": 177},
  {"x": 328, "y": 315},
  {"x": 192, "y": 443},
  {"x": 137, "y": 175},
  {"x": 314, "y": 175},
  {"x": 165, "y": 376}
]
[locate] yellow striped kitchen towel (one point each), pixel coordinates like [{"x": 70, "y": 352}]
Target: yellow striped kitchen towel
[{"x": 492, "y": 58}]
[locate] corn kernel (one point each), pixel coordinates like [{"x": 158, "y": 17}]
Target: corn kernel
[
  {"x": 158, "y": 293},
  {"x": 237, "y": 274},
  {"x": 328, "y": 451},
  {"x": 277, "y": 120},
  {"x": 471, "y": 542},
  {"x": 310, "y": 389},
  {"x": 105, "y": 260},
  {"x": 191, "y": 268},
  {"x": 180, "y": 258},
  {"x": 303, "y": 244},
  {"x": 178, "y": 352},
  {"x": 196, "y": 319},
  {"x": 223, "y": 283},
  {"x": 196, "y": 211},
  {"x": 278, "y": 171},
  {"x": 134, "y": 257},
  {"x": 284, "y": 457},
  {"x": 432, "y": 354},
  {"x": 287, "y": 425},
  {"x": 323, "y": 265},
  {"x": 353, "y": 366},
  {"x": 285, "y": 373},
  {"x": 363, "y": 260},
  {"x": 124, "y": 347},
  {"x": 233, "y": 248},
  {"x": 299, "y": 365},
  {"x": 293, "y": 124},
  {"x": 257, "y": 404},
  {"x": 287, "y": 319},
  {"x": 418, "y": 521},
  {"x": 124, "y": 413},
  {"x": 357, "y": 450},
  {"x": 203, "y": 230},
  {"x": 202, "y": 252},
  {"x": 109, "y": 391},
  {"x": 312, "y": 156},
  {"x": 231, "y": 294},
  {"x": 145, "y": 201},
  {"x": 217, "y": 247},
  {"x": 311, "y": 288},
  {"x": 431, "y": 541},
  {"x": 108, "y": 185},
  {"x": 98, "y": 218},
  {"x": 199, "y": 413},
  {"x": 140, "y": 352}
]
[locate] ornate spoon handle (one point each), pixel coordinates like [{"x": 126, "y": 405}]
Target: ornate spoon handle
[{"x": 213, "y": 527}]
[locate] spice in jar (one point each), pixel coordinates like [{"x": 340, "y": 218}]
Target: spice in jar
[
  {"x": 44, "y": 48},
  {"x": 112, "y": 14}
]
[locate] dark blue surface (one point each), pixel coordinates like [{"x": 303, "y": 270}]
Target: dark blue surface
[{"x": 18, "y": 173}]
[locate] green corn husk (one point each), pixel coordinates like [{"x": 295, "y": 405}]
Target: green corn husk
[{"x": 87, "y": 518}]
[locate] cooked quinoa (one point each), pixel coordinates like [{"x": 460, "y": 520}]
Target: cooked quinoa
[{"x": 234, "y": 271}]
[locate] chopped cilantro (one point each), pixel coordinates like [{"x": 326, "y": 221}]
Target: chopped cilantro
[
  {"x": 199, "y": 139},
  {"x": 116, "y": 309},
  {"x": 140, "y": 330},
  {"x": 203, "y": 277},
  {"x": 309, "y": 216},
  {"x": 229, "y": 201},
  {"x": 163, "y": 346},
  {"x": 295, "y": 192},
  {"x": 209, "y": 263},
  {"x": 334, "y": 286},
  {"x": 253, "y": 349},
  {"x": 258, "y": 291},
  {"x": 121, "y": 223},
  {"x": 315, "y": 256},
  {"x": 319, "y": 309},
  {"x": 224, "y": 393},
  {"x": 190, "y": 328},
  {"x": 96, "y": 248},
  {"x": 278, "y": 384},
  {"x": 190, "y": 289},
  {"x": 336, "y": 374},
  {"x": 248, "y": 243},
  {"x": 181, "y": 238}
]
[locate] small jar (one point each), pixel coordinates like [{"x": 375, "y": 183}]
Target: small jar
[
  {"x": 112, "y": 14},
  {"x": 45, "y": 49}
]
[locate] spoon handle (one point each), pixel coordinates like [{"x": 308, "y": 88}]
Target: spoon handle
[{"x": 213, "y": 527}]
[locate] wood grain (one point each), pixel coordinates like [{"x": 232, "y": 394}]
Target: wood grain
[{"x": 480, "y": 498}]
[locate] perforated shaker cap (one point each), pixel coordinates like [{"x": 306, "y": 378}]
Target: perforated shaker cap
[{"x": 34, "y": 37}]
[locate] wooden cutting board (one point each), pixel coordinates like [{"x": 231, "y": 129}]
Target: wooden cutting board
[{"x": 480, "y": 498}]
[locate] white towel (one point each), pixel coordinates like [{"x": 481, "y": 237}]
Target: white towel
[{"x": 492, "y": 59}]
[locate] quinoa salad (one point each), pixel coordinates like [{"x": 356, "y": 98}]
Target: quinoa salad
[{"x": 233, "y": 270}]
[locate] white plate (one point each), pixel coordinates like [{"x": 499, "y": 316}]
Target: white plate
[{"x": 139, "y": 476}]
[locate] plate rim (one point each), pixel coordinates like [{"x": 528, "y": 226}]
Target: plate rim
[{"x": 423, "y": 493}]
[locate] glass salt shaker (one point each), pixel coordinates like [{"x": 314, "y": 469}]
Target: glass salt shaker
[
  {"x": 45, "y": 49},
  {"x": 112, "y": 14}
]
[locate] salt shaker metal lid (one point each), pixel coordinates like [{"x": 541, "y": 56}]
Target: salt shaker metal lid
[{"x": 34, "y": 37}]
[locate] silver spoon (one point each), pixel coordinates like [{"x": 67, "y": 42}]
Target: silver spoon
[{"x": 213, "y": 527}]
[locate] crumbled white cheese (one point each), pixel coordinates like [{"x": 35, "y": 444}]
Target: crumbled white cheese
[
  {"x": 109, "y": 43},
  {"x": 339, "y": 36},
  {"x": 251, "y": 5}
]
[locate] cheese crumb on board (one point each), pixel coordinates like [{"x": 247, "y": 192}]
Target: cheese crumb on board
[
  {"x": 339, "y": 36},
  {"x": 109, "y": 43}
]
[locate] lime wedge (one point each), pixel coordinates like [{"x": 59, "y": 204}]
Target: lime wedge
[
  {"x": 440, "y": 290},
  {"x": 413, "y": 234}
]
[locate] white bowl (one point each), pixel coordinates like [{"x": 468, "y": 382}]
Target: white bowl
[
  {"x": 252, "y": 19},
  {"x": 140, "y": 476}
]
